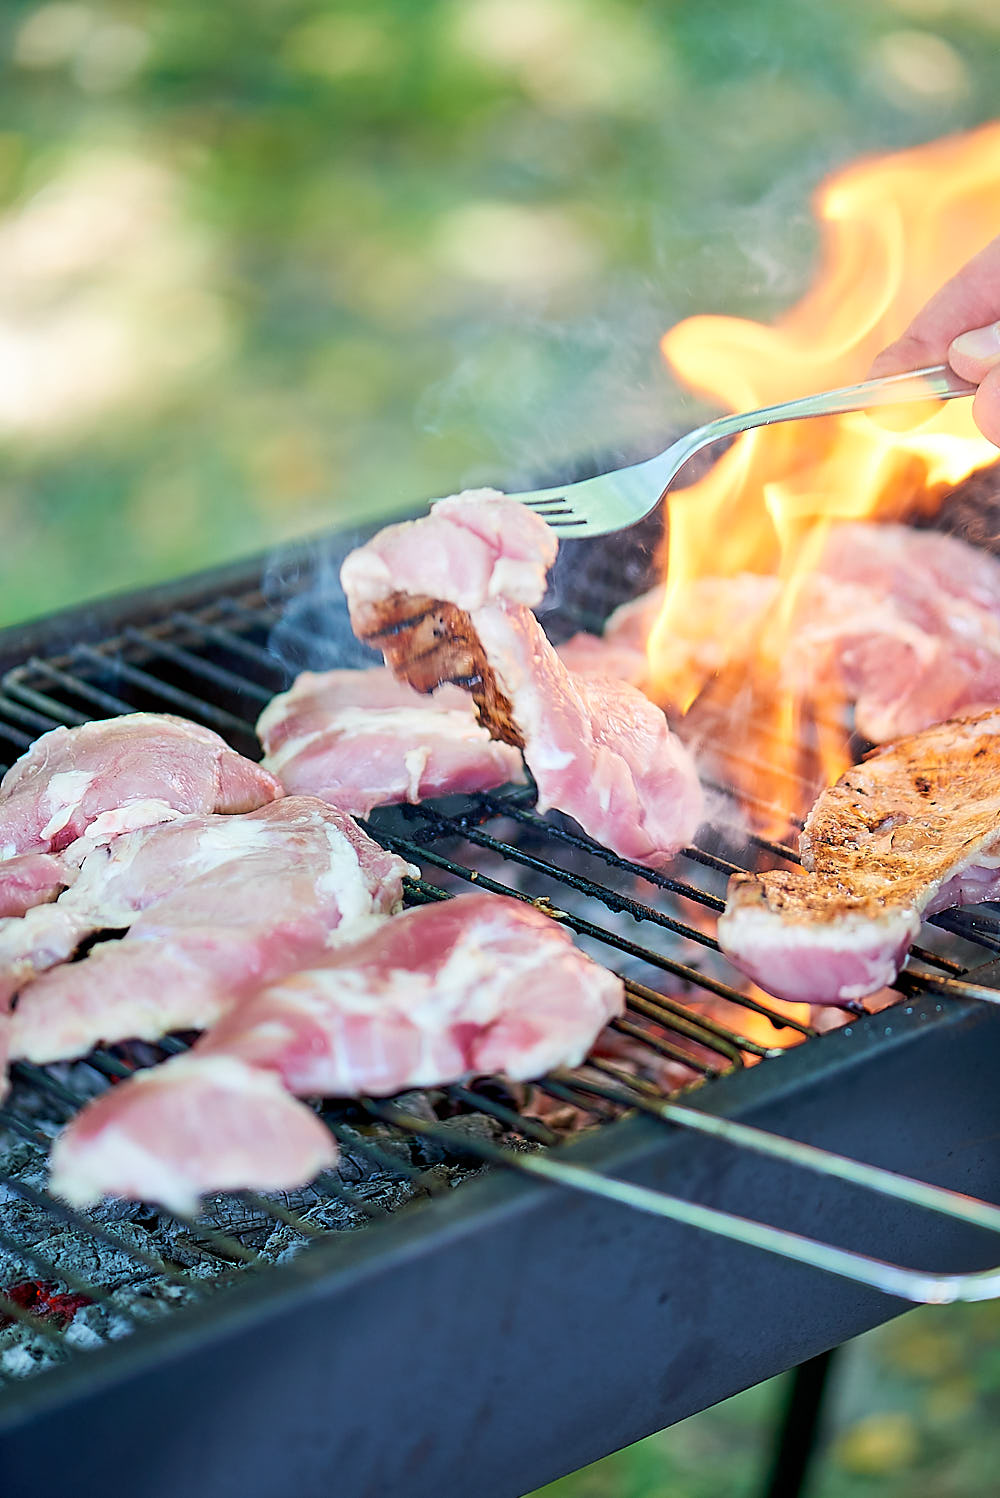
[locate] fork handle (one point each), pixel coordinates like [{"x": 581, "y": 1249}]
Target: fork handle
[{"x": 938, "y": 382}]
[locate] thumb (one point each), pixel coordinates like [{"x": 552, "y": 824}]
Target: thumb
[{"x": 973, "y": 354}]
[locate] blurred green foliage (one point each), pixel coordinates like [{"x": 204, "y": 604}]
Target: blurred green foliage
[
  {"x": 913, "y": 1412},
  {"x": 267, "y": 265}
]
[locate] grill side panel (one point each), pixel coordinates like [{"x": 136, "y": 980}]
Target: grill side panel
[{"x": 510, "y": 1333}]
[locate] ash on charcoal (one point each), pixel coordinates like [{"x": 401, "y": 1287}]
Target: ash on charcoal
[
  {"x": 464, "y": 1131},
  {"x": 30, "y": 1353},
  {"x": 80, "y": 1333}
]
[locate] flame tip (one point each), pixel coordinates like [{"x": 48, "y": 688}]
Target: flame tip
[{"x": 767, "y": 507}]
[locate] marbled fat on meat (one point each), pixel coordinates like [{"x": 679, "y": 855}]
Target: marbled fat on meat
[
  {"x": 903, "y": 623},
  {"x": 598, "y": 750},
  {"x": 474, "y": 985},
  {"x": 118, "y": 774},
  {"x": 912, "y": 830},
  {"x": 359, "y": 739},
  {"x": 226, "y": 1126},
  {"x": 212, "y": 906}
]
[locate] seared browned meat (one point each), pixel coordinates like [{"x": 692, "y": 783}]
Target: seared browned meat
[
  {"x": 449, "y": 597},
  {"x": 428, "y": 641},
  {"x": 912, "y": 830}
]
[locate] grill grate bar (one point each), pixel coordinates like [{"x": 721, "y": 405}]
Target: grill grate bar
[
  {"x": 10, "y": 1310},
  {"x": 645, "y": 1002},
  {"x": 562, "y": 834},
  {"x": 690, "y": 975},
  {"x": 60, "y": 1273},
  {"x": 331, "y": 1183},
  {"x": 892, "y": 1279},
  {"x": 88, "y": 1226},
  {"x": 663, "y": 1047},
  {"x": 529, "y": 1127},
  {"x": 212, "y": 646},
  {"x": 39, "y": 722},
  {"x": 617, "y": 903},
  {"x": 79, "y": 686},
  {"x": 383, "y": 1159},
  {"x": 113, "y": 1066},
  {"x": 55, "y": 712},
  {"x": 208, "y": 712},
  {"x": 262, "y": 660},
  {"x": 770, "y": 810},
  {"x": 198, "y": 666}
]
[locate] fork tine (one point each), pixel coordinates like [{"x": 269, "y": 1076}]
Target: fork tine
[{"x": 611, "y": 501}]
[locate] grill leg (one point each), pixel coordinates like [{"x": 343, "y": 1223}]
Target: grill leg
[{"x": 798, "y": 1431}]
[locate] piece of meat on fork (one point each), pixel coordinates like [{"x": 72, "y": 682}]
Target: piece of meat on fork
[{"x": 449, "y": 598}]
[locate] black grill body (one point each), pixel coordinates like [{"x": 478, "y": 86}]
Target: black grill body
[{"x": 506, "y": 1332}]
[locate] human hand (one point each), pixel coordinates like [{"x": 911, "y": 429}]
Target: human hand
[{"x": 959, "y": 326}]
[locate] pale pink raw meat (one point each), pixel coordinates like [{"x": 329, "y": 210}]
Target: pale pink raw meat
[
  {"x": 593, "y": 655},
  {"x": 478, "y": 984},
  {"x": 598, "y": 750},
  {"x": 473, "y": 985},
  {"x": 117, "y": 774},
  {"x": 213, "y": 906},
  {"x": 912, "y": 830},
  {"x": 716, "y": 620},
  {"x": 470, "y": 548},
  {"x": 175, "y": 1132},
  {"x": 907, "y": 621},
  {"x": 903, "y": 623},
  {"x": 359, "y": 739},
  {"x": 32, "y": 879}
]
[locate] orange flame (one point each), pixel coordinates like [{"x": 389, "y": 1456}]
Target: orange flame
[{"x": 892, "y": 230}]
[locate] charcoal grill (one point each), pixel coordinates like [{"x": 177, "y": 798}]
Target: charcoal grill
[{"x": 445, "y": 1328}]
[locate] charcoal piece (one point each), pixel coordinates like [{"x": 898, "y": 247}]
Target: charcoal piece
[
  {"x": 464, "y": 1130},
  {"x": 377, "y": 1146},
  {"x": 90, "y": 1258},
  {"x": 971, "y": 511}
]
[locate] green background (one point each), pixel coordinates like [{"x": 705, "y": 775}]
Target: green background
[{"x": 268, "y": 266}]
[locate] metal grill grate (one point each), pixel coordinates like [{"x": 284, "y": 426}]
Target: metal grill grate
[{"x": 214, "y": 664}]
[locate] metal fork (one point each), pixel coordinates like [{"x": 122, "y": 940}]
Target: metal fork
[{"x": 615, "y": 500}]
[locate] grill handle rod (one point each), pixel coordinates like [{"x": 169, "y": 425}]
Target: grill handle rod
[{"x": 919, "y": 1286}]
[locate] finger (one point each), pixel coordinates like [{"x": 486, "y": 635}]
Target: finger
[
  {"x": 972, "y": 355},
  {"x": 971, "y": 299},
  {"x": 986, "y": 405},
  {"x": 908, "y": 352}
]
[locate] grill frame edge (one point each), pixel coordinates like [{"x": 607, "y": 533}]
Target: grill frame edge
[{"x": 273, "y": 1366}]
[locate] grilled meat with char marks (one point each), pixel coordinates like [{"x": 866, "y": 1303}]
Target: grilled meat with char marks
[
  {"x": 449, "y": 598},
  {"x": 913, "y": 829}
]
